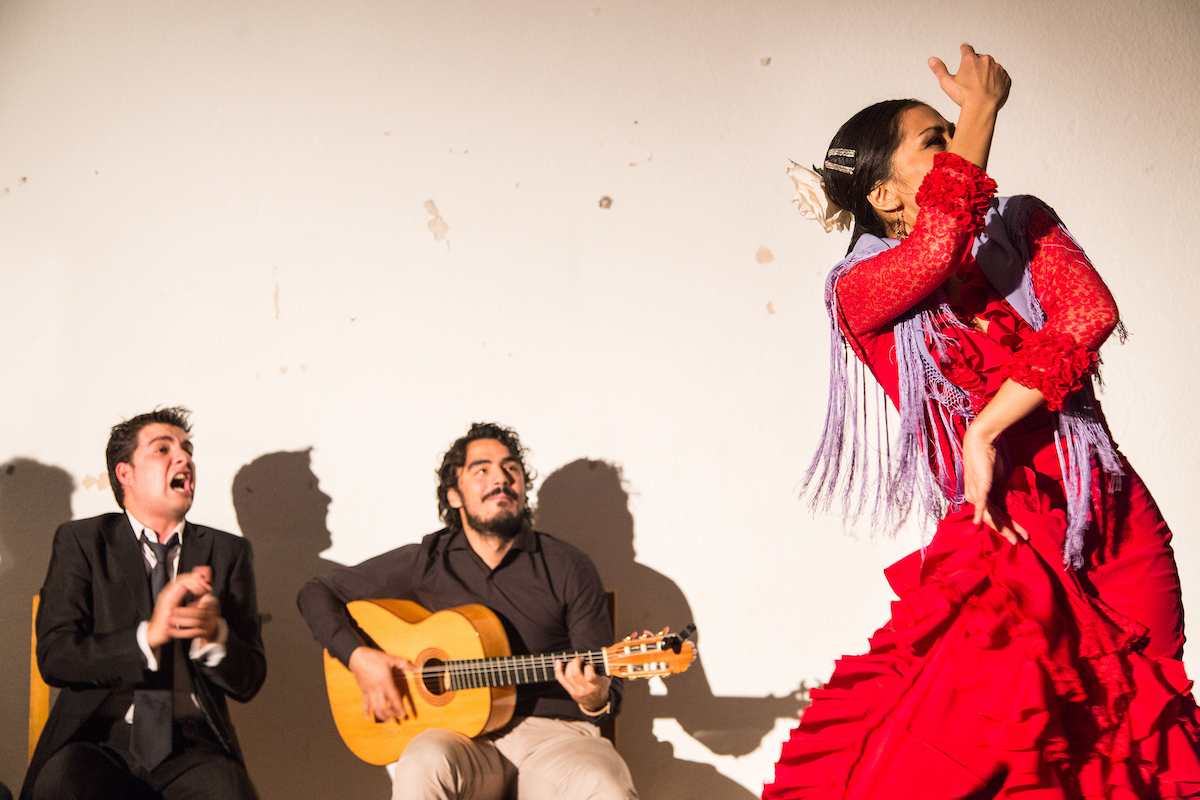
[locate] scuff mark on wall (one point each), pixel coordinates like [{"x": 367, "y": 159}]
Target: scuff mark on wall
[
  {"x": 764, "y": 256},
  {"x": 283, "y": 370},
  {"x": 770, "y": 307},
  {"x": 764, "y": 61},
  {"x": 99, "y": 481},
  {"x": 648, "y": 159},
  {"x": 437, "y": 224},
  {"x": 606, "y": 202}
]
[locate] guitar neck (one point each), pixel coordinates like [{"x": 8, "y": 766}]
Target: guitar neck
[{"x": 513, "y": 670}]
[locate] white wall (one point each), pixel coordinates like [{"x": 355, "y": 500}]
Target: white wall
[{"x": 222, "y": 205}]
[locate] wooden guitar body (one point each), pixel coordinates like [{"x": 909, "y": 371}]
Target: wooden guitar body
[
  {"x": 403, "y": 628},
  {"x": 464, "y": 674}
]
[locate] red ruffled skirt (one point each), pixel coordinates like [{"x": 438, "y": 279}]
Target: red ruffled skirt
[{"x": 1000, "y": 674}]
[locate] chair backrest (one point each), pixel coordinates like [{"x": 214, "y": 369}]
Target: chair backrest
[
  {"x": 39, "y": 691},
  {"x": 609, "y": 729}
]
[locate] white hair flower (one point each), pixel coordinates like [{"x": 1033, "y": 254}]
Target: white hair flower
[{"x": 814, "y": 203}]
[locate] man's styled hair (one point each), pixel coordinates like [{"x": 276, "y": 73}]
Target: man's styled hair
[
  {"x": 456, "y": 458},
  {"x": 124, "y": 438}
]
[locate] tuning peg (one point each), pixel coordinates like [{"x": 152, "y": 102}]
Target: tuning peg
[{"x": 675, "y": 641}]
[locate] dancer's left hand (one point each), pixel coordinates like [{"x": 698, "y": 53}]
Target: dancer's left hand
[{"x": 979, "y": 473}]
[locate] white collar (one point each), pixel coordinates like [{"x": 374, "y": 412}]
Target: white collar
[{"x": 139, "y": 528}]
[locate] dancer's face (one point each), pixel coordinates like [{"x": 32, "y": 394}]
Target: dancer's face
[{"x": 923, "y": 134}]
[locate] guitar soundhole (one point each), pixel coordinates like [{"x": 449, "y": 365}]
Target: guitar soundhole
[
  {"x": 434, "y": 685},
  {"x": 434, "y": 676}
]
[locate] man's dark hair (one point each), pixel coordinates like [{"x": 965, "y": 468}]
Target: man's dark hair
[
  {"x": 873, "y": 134},
  {"x": 456, "y": 458},
  {"x": 124, "y": 438}
]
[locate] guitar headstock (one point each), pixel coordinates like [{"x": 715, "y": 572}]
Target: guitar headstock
[{"x": 650, "y": 655}]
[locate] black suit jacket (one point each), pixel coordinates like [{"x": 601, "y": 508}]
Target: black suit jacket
[{"x": 95, "y": 595}]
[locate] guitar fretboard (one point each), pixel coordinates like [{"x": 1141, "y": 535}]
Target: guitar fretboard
[{"x": 513, "y": 670}]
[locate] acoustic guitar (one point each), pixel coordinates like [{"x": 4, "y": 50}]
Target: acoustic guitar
[{"x": 465, "y": 673}]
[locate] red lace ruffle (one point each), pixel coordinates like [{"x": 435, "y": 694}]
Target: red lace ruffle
[
  {"x": 1053, "y": 363},
  {"x": 996, "y": 675},
  {"x": 957, "y": 187}
]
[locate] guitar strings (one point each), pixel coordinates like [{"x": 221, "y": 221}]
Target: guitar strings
[{"x": 475, "y": 670}]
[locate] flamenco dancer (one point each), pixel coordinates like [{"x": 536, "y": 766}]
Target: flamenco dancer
[{"x": 1035, "y": 647}]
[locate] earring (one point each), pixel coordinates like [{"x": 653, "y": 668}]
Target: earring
[{"x": 899, "y": 227}]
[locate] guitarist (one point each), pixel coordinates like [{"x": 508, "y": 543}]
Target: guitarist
[{"x": 549, "y": 598}]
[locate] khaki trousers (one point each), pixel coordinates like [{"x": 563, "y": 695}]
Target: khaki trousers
[{"x": 537, "y": 759}]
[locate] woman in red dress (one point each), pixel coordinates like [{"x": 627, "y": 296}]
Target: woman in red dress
[{"x": 1035, "y": 646}]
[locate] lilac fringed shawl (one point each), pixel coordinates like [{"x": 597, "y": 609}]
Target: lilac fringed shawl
[{"x": 907, "y": 478}]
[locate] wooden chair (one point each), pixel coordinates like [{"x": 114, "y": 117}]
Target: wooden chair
[
  {"x": 609, "y": 729},
  {"x": 39, "y": 691}
]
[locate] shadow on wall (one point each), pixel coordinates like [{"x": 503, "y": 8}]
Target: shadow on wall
[
  {"x": 34, "y": 500},
  {"x": 287, "y": 733},
  {"x": 585, "y": 503}
]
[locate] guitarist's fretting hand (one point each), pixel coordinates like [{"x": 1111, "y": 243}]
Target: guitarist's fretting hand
[
  {"x": 583, "y": 684},
  {"x": 373, "y": 669}
]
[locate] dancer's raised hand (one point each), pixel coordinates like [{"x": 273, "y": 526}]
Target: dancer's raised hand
[{"x": 979, "y": 80}]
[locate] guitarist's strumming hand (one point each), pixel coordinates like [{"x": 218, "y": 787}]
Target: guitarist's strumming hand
[
  {"x": 583, "y": 684},
  {"x": 374, "y": 671}
]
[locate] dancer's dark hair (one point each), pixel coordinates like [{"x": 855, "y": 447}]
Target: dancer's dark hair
[{"x": 873, "y": 134}]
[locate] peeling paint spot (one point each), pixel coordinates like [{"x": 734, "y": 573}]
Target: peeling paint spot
[
  {"x": 764, "y": 256},
  {"x": 98, "y": 482},
  {"x": 283, "y": 370},
  {"x": 437, "y": 224},
  {"x": 770, "y": 308},
  {"x": 764, "y": 61},
  {"x": 606, "y": 202}
]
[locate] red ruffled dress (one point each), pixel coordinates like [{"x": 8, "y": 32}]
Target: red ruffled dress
[{"x": 1001, "y": 673}]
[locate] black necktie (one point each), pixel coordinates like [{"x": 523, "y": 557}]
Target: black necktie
[{"x": 150, "y": 741}]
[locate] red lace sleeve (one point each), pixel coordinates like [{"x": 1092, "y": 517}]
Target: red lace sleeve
[
  {"x": 1080, "y": 314},
  {"x": 953, "y": 199},
  {"x": 1053, "y": 363}
]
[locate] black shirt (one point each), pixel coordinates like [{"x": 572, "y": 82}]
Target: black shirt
[{"x": 546, "y": 593}]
